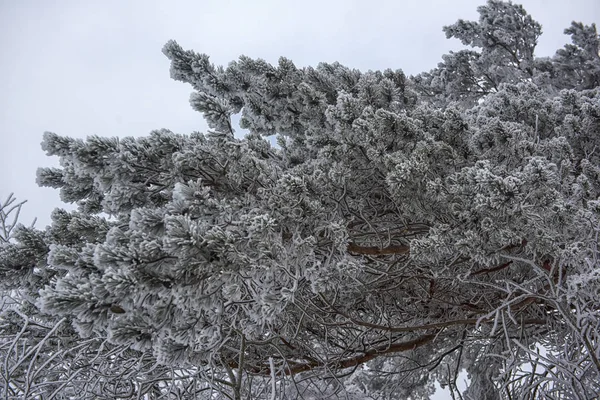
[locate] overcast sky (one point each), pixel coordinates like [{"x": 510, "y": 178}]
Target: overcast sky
[{"x": 79, "y": 68}]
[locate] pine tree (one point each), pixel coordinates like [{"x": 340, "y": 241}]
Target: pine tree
[{"x": 402, "y": 230}]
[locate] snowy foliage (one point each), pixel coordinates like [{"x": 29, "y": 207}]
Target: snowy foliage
[{"x": 403, "y": 230}]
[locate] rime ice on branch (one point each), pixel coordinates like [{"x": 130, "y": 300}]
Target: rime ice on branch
[{"x": 404, "y": 226}]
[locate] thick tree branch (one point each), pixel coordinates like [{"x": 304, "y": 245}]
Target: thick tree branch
[{"x": 296, "y": 368}]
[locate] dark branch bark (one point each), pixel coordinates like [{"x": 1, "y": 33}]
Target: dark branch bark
[
  {"x": 488, "y": 270},
  {"x": 368, "y": 355}
]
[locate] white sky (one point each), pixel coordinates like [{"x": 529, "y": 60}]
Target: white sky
[{"x": 78, "y": 68}]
